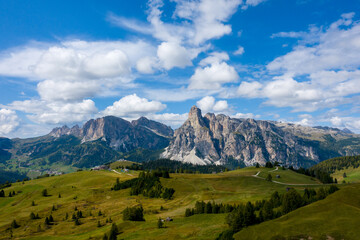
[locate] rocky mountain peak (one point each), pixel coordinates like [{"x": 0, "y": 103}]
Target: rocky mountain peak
[
  {"x": 195, "y": 118},
  {"x": 156, "y": 127}
]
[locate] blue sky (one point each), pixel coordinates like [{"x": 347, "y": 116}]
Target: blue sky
[{"x": 64, "y": 62}]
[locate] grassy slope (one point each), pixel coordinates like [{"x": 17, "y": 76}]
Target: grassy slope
[
  {"x": 92, "y": 190},
  {"x": 353, "y": 175},
  {"x": 287, "y": 176},
  {"x": 336, "y": 217}
]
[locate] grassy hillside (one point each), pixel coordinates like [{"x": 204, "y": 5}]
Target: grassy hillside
[
  {"x": 335, "y": 217},
  {"x": 90, "y": 192},
  {"x": 352, "y": 175}
]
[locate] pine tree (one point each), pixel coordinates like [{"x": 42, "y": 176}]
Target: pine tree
[
  {"x": 37, "y": 216},
  {"x": 99, "y": 213},
  {"x": 44, "y": 193},
  {"x": 47, "y": 222},
  {"x": 77, "y": 222},
  {"x": 33, "y": 203},
  {"x": 66, "y": 216},
  {"x": 98, "y": 224},
  {"x": 51, "y": 219},
  {"x": 113, "y": 232},
  {"x": 53, "y": 208},
  {"x": 32, "y": 216},
  {"x": 160, "y": 223},
  {"x": 14, "y": 224},
  {"x": 59, "y": 195},
  {"x": 2, "y": 193},
  {"x": 257, "y": 165},
  {"x": 10, "y": 195}
]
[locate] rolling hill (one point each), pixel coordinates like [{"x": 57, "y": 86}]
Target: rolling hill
[{"x": 90, "y": 192}]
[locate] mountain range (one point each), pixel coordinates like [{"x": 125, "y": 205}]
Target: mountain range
[{"x": 208, "y": 139}]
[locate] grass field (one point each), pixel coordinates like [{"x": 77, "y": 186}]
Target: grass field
[
  {"x": 336, "y": 217},
  {"x": 90, "y": 192},
  {"x": 287, "y": 176},
  {"x": 352, "y": 175}
]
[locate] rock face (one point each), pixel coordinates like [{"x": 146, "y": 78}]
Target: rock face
[
  {"x": 220, "y": 139},
  {"x": 120, "y": 134}
]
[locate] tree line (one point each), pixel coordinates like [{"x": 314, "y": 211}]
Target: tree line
[
  {"x": 338, "y": 163},
  {"x": 148, "y": 184},
  {"x": 243, "y": 215},
  {"x": 173, "y": 166}
]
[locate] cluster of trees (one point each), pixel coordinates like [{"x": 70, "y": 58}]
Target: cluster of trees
[
  {"x": 114, "y": 231},
  {"x": 33, "y": 216},
  {"x": 323, "y": 176},
  {"x": 338, "y": 163},
  {"x": 248, "y": 214},
  {"x": 133, "y": 213},
  {"x": 209, "y": 207},
  {"x": 270, "y": 165},
  {"x": 11, "y": 193},
  {"x": 147, "y": 184},
  {"x": 180, "y": 167},
  {"x": 49, "y": 220}
]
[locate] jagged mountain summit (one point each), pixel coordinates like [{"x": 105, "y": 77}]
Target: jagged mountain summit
[
  {"x": 220, "y": 139},
  {"x": 209, "y": 139},
  {"x": 120, "y": 134}
]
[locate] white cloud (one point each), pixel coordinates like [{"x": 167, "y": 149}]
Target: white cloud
[
  {"x": 208, "y": 104},
  {"x": 132, "y": 106},
  {"x": 239, "y": 51},
  {"x": 9, "y": 121},
  {"x": 214, "y": 73},
  {"x": 173, "y": 55},
  {"x": 246, "y": 115},
  {"x": 146, "y": 65},
  {"x": 321, "y": 72},
  {"x": 336, "y": 121},
  {"x": 171, "y": 119},
  {"x": 44, "y": 112},
  {"x": 250, "y": 89}
]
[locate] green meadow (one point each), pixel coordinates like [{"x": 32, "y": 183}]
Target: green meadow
[{"x": 90, "y": 192}]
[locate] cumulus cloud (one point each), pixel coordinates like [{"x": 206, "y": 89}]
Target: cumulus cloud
[
  {"x": 250, "y": 89},
  {"x": 326, "y": 62},
  {"x": 41, "y": 111},
  {"x": 9, "y": 121},
  {"x": 214, "y": 74},
  {"x": 209, "y": 104},
  {"x": 173, "y": 55},
  {"x": 195, "y": 23},
  {"x": 132, "y": 106}
]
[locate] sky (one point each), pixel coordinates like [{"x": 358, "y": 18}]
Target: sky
[{"x": 65, "y": 62}]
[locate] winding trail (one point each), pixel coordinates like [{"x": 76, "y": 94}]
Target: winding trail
[
  {"x": 121, "y": 173},
  {"x": 289, "y": 184}
]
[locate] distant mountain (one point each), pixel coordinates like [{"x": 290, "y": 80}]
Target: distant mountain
[
  {"x": 209, "y": 139},
  {"x": 220, "y": 139},
  {"x": 99, "y": 141}
]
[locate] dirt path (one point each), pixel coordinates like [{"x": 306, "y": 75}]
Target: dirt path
[{"x": 289, "y": 184}]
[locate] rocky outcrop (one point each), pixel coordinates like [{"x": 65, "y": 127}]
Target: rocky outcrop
[
  {"x": 220, "y": 139},
  {"x": 65, "y": 130},
  {"x": 120, "y": 134}
]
